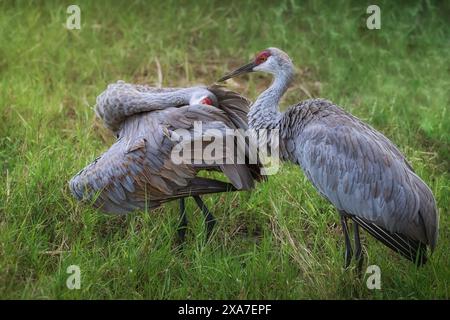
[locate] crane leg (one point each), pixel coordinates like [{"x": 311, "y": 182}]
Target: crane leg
[
  {"x": 348, "y": 246},
  {"x": 358, "y": 248},
  {"x": 183, "y": 222},
  {"x": 209, "y": 218}
]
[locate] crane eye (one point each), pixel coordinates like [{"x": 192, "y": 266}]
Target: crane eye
[
  {"x": 262, "y": 57},
  {"x": 207, "y": 101}
]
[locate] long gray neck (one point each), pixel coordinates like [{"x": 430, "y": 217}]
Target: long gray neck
[
  {"x": 264, "y": 113},
  {"x": 117, "y": 103}
]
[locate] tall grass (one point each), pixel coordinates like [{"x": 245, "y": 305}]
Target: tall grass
[{"x": 281, "y": 240}]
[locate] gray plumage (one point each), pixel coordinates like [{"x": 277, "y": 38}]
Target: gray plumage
[
  {"x": 137, "y": 171},
  {"x": 360, "y": 171},
  {"x": 121, "y": 100}
]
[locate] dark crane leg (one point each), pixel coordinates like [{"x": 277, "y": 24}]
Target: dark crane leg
[
  {"x": 348, "y": 246},
  {"x": 358, "y": 248},
  {"x": 209, "y": 218},
  {"x": 183, "y": 222}
]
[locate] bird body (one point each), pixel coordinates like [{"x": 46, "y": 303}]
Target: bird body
[
  {"x": 137, "y": 171},
  {"x": 360, "y": 171}
]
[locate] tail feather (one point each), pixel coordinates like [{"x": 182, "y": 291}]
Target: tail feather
[
  {"x": 198, "y": 186},
  {"x": 412, "y": 250}
]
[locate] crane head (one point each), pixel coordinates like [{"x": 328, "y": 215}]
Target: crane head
[
  {"x": 270, "y": 60},
  {"x": 203, "y": 97}
]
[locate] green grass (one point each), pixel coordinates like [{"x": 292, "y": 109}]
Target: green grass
[{"x": 281, "y": 240}]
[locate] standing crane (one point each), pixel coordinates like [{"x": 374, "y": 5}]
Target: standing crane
[
  {"x": 360, "y": 171},
  {"x": 137, "y": 171}
]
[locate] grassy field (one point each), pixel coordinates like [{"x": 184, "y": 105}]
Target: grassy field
[{"x": 281, "y": 241}]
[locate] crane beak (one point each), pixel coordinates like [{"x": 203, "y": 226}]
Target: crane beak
[{"x": 241, "y": 70}]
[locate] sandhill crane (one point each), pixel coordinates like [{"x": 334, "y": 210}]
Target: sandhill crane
[
  {"x": 137, "y": 172},
  {"x": 360, "y": 171}
]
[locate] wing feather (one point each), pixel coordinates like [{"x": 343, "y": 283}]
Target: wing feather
[{"x": 137, "y": 171}]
